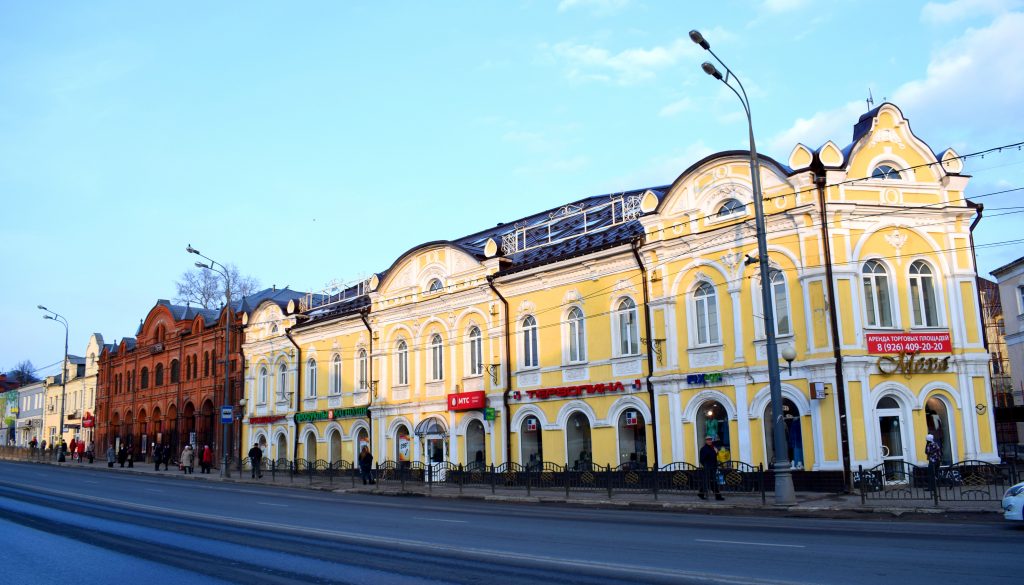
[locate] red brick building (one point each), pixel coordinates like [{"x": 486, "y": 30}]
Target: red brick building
[{"x": 166, "y": 385}]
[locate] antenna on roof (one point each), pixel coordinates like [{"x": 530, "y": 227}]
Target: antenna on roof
[{"x": 870, "y": 100}]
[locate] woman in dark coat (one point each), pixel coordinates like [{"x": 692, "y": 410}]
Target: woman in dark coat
[{"x": 122, "y": 455}]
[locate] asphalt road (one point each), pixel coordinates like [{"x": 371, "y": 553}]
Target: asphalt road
[{"x": 84, "y": 526}]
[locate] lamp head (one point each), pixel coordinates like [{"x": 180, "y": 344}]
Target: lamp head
[
  {"x": 191, "y": 250},
  {"x": 201, "y": 265},
  {"x": 242, "y": 402},
  {"x": 698, "y": 38},
  {"x": 788, "y": 353},
  {"x": 711, "y": 70},
  {"x": 42, "y": 308},
  {"x": 47, "y": 317}
]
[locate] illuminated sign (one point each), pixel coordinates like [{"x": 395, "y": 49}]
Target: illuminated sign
[
  {"x": 574, "y": 391},
  {"x": 467, "y": 400},
  {"x": 936, "y": 342},
  {"x": 909, "y": 364},
  {"x": 315, "y": 415}
]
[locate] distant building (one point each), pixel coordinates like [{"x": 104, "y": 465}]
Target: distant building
[{"x": 1011, "y": 293}]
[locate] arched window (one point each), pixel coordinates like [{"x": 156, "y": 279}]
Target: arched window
[
  {"x": 206, "y": 364},
  {"x": 705, "y": 308},
  {"x": 436, "y": 358},
  {"x": 159, "y": 375},
  {"x": 476, "y": 351},
  {"x": 885, "y": 172},
  {"x": 311, "y": 378},
  {"x": 261, "y": 385},
  {"x": 780, "y": 300},
  {"x": 282, "y": 381},
  {"x": 175, "y": 372},
  {"x": 731, "y": 207},
  {"x": 335, "y": 383},
  {"x": 363, "y": 383},
  {"x": 876, "y": 294},
  {"x": 530, "y": 358},
  {"x": 402, "y": 362},
  {"x": 195, "y": 366},
  {"x": 922, "y": 295},
  {"x": 577, "y": 335},
  {"x": 145, "y": 379},
  {"x": 434, "y": 285},
  {"x": 629, "y": 334},
  {"x": 273, "y": 328}
]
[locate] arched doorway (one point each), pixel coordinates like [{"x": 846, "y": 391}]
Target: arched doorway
[
  {"x": 310, "y": 448},
  {"x": 632, "y": 439},
  {"x": 281, "y": 455},
  {"x": 713, "y": 421},
  {"x": 892, "y": 438},
  {"x": 205, "y": 430},
  {"x": 144, "y": 437},
  {"x": 937, "y": 417},
  {"x": 794, "y": 434},
  {"x": 531, "y": 443},
  {"x": 434, "y": 436},
  {"x": 157, "y": 426},
  {"x": 577, "y": 441},
  {"x": 334, "y": 450},
  {"x": 475, "y": 448},
  {"x": 172, "y": 427},
  {"x": 188, "y": 427}
]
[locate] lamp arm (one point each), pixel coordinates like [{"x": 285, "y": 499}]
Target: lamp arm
[{"x": 729, "y": 73}]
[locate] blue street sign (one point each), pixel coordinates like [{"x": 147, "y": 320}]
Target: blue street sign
[{"x": 226, "y": 414}]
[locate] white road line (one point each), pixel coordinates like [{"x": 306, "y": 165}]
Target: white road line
[
  {"x": 750, "y": 543},
  {"x": 89, "y": 481},
  {"x": 154, "y": 490},
  {"x": 272, "y": 504},
  {"x": 440, "y": 520}
]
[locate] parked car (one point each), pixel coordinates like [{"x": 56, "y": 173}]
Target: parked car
[
  {"x": 1013, "y": 503},
  {"x": 1012, "y": 452}
]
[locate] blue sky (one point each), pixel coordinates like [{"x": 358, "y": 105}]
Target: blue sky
[{"x": 307, "y": 142}]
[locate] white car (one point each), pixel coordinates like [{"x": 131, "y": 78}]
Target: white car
[{"x": 1013, "y": 503}]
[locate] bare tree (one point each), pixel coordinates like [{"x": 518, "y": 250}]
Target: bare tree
[
  {"x": 23, "y": 373},
  {"x": 205, "y": 288}
]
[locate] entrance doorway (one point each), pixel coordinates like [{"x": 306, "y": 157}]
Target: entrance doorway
[
  {"x": 475, "y": 445},
  {"x": 891, "y": 440}
]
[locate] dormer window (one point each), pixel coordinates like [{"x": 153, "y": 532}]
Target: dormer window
[
  {"x": 885, "y": 172},
  {"x": 731, "y": 207},
  {"x": 434, "y": 285}
]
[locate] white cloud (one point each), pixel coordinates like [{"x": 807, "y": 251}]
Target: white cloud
[
  {"x": 960, "y": 10},
  {"x": 676, "y": 107},
  {"x": 783, "y": 5},
  {"x": 970, "y": 85},
  {"x": 599, "y": 7}
]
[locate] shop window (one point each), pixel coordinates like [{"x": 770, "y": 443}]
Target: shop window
[
  {"x": 530, "y": 358},
  {"x": 731, "y": 207},
  {"x": 403, "y": 445},
  {"x": 794, "y": 434},
  {"x": 885, "y": 172},
  {"x": 876, "y": 294},
  {"x": 578, "y": 444},
  {"x": 937, "y": 420},
  {"x": 577, "y": 335},
  {"x": 632, "y": 439},
  {"x": 476, "y": 351},
  {"x": 311, "y": 378},
  {"x": 335, "y": 383},
  {"x": 922, "y": 295},
  {"x": 363, "y": 385},
  {"x": 436, "y": 358},
  {"x": 628, "y": 329},
  {"x": 531, "y": 443},
  {"x": 402, "y": 362},
  {"x": 475, "y": 448},
  {"x": 713, "y": 421},
  {"x": 705, "y": 308}
]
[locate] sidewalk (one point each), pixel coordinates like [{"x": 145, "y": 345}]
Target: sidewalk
[{"x": 812, "y": 505}]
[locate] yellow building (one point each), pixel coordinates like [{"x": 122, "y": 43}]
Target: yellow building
[
  {"x": 622, "y": 329},
  {"x": 78, "y": 395}
]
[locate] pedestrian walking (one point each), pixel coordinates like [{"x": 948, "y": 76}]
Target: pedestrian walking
[
  {"x": 158, "y": 456},
  {"x": 74, "y": 448},
  {"x": 90, "y": 452},
  {"x": 122, "y": 455},
  {"x": 168, "y": 455},
  {"x": 206, "y": 460},
  {"x": 256, "y": 459},
  {"x": 187, "y": 460},
  {"x": 80, "y": 455},
  {"x": 111, "y": 455},
  {"x": 366, "y": 465},
  {"x": 934, "y": 453},
  {"x": 708, "y": 458}
]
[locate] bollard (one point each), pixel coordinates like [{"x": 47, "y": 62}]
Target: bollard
[
  {"x": 860, "y": 476},
  {"x": 492, "y": 479},
  {"x": 760, "y": 480},
  {"x": 461, "y": 479},
  {"x": 430, "y": 477},
  {"x": 654, "y": 485},
  {"x": 608, "y": 479},
  {"x": 565, "y": 475}
]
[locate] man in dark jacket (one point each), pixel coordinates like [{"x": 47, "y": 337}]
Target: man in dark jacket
[
  {"x": 158, "y": 455},
  {"x": 255, "y": 459},
  {"x": 709, "y": 469}
]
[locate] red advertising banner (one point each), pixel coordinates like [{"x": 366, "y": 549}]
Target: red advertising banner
[
  {"x": 937, "y": 342},
  {"x": 88, "y": 421},
  {"x": 467, "y": 400}
]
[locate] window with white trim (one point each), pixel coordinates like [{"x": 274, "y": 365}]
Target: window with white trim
[
  {"x": 436, "y": 357},
  {"x": 363, "y": 363},
  {"x": 530, "y": 358},
  {"x": 705, "y": 310},
  {"x": 922, "y": 295},
  {"x": 261, "y": 385},
  {"x": 576, "y": 326},
  {"x": 780, "y": 298},
  {"x": 311, "y": 378},
  {"x": 434, "y": 285},
  {"x": 282, "y": 381},
  {"x": 885, "y": 172},
  {"x": 335, "y": 383},
  {"x": 629, "y": 331},
  {"x": 402, "y": 362},
  {"x": 731, "y": 207},
  {"x": 476, "y": 351},
  {"x": 876, "y": 294}
]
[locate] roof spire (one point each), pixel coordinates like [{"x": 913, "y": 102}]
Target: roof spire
[{"x": 870, "y": 100}]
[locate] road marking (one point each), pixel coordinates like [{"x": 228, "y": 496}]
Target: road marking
[
  {"x": 440, "y": 520},
  {"x": 154, "y": 490},
  {"x": 272, "y": 504},
  {"x": 750, "y": 543},
  {"x": 89, "y": 481}
]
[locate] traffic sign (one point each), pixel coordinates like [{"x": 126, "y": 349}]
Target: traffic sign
[{"x": 226, "y": 414}]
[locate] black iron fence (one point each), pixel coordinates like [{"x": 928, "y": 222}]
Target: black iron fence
[{"x": 965, "y": 481}]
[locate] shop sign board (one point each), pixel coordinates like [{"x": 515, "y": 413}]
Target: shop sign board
[
  {"x": 574, "y": 391},
  {"x": 265, "y": 420},
  {"x": 489, "y": 414},
  {"x": 467, "y": 400},
  {"x": 88, "y": 421},
  {"x": 315, "y": 415},
  {"x": 899, "y": 342}
]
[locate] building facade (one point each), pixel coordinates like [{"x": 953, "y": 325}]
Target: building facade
[
  {"x": 31, "y": 399},
  {"x": 1010, "y": 279},
  {"x": 623, "y": 329}
]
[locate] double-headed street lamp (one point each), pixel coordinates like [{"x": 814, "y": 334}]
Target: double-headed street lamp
[
  {"x": 223, "y": 271},
  {"x": 784, "y": 494},
  {"x": 63, "y": 369}
]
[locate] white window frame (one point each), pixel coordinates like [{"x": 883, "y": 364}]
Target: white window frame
[
  {"x": 402, "y": 363},
  {"x": 872, "y": 279},
  {"x": 706, "y": 330},
  {"x": 311, "y": 378},
  {"x": 530, "y": 355},
  {"x": 918, "y": 284},
  {"x": 627, "y": 327},
  {"x": 476, "y": 351},
  {"x": 261, "y": 385},
  {"x": 431, "y": 288},
  {"x": 576, "y": 331},
  {"x": 282, "y": 381},
  {"x": 335, "y": 384},
  {"x": 363, "y": 361},
  {"x": 436, "y": 358},
  {"x": 778, "y": 281}
]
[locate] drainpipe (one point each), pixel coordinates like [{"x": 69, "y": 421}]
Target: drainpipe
[
  {"x": 979, "y": 207},
  {"x": 837, "y": 352},
  {"x": 635, "y": 246},
  {"x": 241, "y": 409},
  {"x": 298, "y": 373},
  {"x": 508, "y": 375},
  {"x": 369, "y": 372}
]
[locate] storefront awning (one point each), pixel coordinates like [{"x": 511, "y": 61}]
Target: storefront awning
[{"x": 431, "y": 426}]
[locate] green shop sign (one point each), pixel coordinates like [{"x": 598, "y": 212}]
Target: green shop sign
[{"x": 315, "y": 415}]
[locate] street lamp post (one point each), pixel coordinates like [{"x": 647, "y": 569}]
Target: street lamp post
[
  {"x": 63, "y": 371},
  {"x": 784, "y": 493},
  {"x": 224, "y": 472}
]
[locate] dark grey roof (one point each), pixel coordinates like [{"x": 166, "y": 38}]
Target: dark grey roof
[
  {"x": 280, "y": 296},
  {"x": 77, "y": 360}
]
